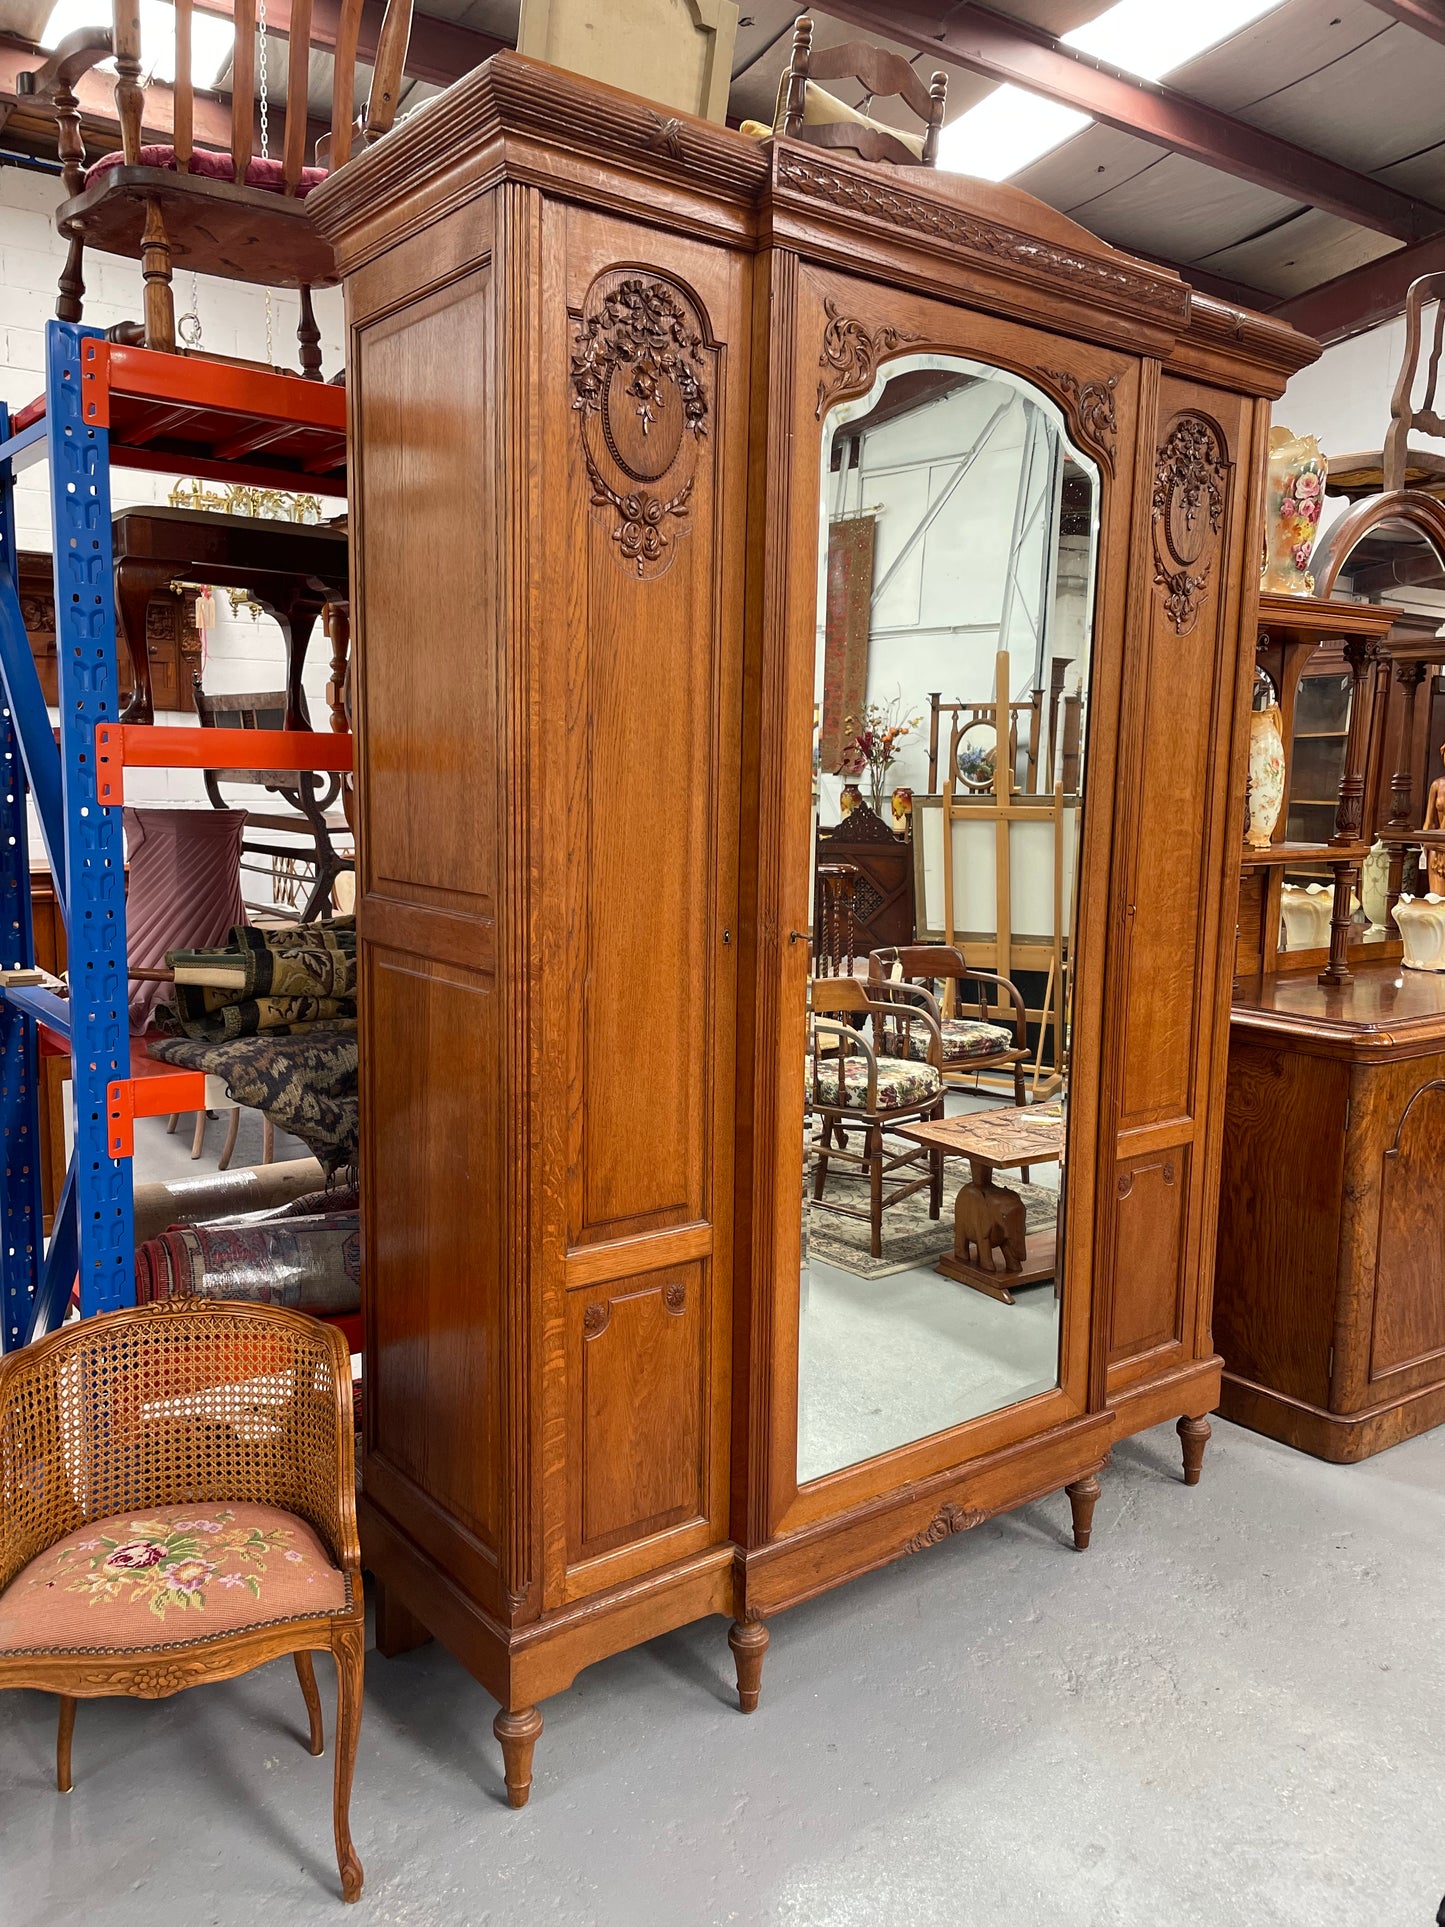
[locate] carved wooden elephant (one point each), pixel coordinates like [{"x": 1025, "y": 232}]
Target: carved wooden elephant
[{"x": 989, "y": 1218}]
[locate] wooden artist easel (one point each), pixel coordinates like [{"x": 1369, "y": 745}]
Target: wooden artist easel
[{"x": 1004, "y": 805}]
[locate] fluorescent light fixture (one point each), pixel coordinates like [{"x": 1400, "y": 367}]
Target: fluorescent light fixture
[
  {"x": 212, "y": 39},
  {"x": 1010, "y": 127}
]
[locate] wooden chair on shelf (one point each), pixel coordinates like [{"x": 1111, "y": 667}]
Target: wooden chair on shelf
[
  {"x": 187, "y": 1454},
  {"x": 308, "y": 796},
  {"x": 1397, "y": 465},
  {"x": 972, "y": 1041},
  {"x": 863, "y": 1077},
  {"x": 807, "y": 112},
  {"x": 233, "y": 213}
]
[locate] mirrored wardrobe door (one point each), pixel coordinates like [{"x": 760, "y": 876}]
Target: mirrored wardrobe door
[{"x": 957, "y": 552}]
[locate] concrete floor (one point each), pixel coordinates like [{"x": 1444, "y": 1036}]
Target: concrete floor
[{"x": 1230, "y": 1712}]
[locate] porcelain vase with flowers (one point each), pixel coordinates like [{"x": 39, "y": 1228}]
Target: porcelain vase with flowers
[
  {"x": 1264, "y": 796},
  {"x": 1294, "y": 497}
]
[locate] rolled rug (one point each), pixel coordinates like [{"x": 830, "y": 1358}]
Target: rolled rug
[{"x": 308, "y": 1264}]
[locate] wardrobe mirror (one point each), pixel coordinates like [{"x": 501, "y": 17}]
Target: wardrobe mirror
[{"x": 956, "y": 559}]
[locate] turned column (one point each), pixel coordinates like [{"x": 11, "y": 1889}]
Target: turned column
[
  {"x": 1337, "y": 971},
  {"x": 1360, "y": 653},
  {"x": 1409, "y": 675}
]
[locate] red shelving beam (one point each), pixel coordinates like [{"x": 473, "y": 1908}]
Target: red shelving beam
[{"x": 119, "y": 746}]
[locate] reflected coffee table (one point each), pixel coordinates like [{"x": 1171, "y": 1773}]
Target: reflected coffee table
[{"x": 992, "y": 1249}]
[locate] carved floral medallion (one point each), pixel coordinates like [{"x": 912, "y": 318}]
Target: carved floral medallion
[
  {"x": 1188, "y": 511},
  {"x": 638, "y": 368}
]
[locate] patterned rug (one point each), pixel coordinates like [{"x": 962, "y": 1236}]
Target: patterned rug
[{"x": 911, "y": 1239}]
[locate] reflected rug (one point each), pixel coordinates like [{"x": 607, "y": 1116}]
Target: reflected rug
[{"x": 911, "y": 1239}]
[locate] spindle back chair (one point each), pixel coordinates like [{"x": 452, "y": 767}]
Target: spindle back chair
[{"x": 236, "y": 210}]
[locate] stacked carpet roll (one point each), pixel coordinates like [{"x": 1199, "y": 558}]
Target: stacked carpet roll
[
  {"x": 307, "y": 1256},
  {"x": 283, "y": 981},
  {"x": 274, "y": 1016}
]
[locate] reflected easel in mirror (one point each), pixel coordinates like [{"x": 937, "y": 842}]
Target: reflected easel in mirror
[{"x": 983, "y": 825}]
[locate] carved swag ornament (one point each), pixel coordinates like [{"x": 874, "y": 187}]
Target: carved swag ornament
[
  {"x": 1188, "y": 505},
  {"x": 637, "y": 369}
]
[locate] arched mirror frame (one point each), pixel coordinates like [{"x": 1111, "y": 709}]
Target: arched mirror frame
[{"x": 1096, "y": 392}]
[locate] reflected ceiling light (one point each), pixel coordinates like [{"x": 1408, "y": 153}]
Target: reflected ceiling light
[
  {"x": 1010, "y": 127},
  {"x": 211, "y": 38}
]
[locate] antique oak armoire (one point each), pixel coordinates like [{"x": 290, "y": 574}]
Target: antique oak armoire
[{"x": 597, "y": 359}]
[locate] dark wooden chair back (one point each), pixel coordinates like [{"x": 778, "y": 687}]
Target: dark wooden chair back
[
  {"x": 883, "y": 75},
  {"x": 1405, "y": 415},
  {"x": 143, "y": 200}
]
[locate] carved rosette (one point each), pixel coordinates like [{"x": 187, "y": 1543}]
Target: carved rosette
[
  {"x": 950, "y": 1519},
  {"x": 851, "y": 352},
  {"x": 1090, "y": 406},
  {"x": 1188, "y": 508},
  {"x": 638, "y": 367},
  {"x": 675, "y": 1296}
]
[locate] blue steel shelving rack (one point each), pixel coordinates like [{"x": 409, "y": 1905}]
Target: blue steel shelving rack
[{"x": 92, "y": 1228}]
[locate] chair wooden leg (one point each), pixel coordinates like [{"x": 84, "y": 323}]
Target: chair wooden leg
[
  {"x": 155, "y": 266},
  {"x": 198, "y": 1141},
  {"x": 873, "y": 1152},
  {"x": 229, "y": 1146},
  {"x": 306, "y": 1674},
  {"x": 935, "y": 1184},
  {"x": 518, "y": 1733},
  {"x": 171, "y": 1122},
  {"x": 268, "y": 1140},
  {"x": 309, "y": 337},
  {"x": 348, "y": 1649},
  {"x": 820, "y": 1158},
  {"x": 64, "y": 1732},
  {"x": 71, "y": 291}
]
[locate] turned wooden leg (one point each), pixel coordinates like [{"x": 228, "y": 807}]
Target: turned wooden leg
[
  {"x": 63, "y": 1735},
  {"x": 1083, "y": 1497},
  {"x": 155, "y": 266},
  {"x": 306, "y": 1674},
  {"x": 1194, "y": 1436},
  {"x": 873, "y": 1151},
  {"x": 309, "y": 337},
  {"x": 348, "y": 1650},
  {"x": 518, "y": 1733},
  {"x": 749, "y": 1642},
  {"x": 398, "y": 1630},
  {"x": 70, "y": 295}
]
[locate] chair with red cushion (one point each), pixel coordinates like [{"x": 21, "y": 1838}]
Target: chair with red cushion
[{"x": 235, "y": 213}]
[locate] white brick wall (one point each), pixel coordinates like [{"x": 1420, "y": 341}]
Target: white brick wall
[{"x": 242, "y": 653}]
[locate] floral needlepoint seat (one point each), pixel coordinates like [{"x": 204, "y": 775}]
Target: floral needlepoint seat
[
  {"x": 200, "y": 1571},
  {"x": 965, "y": 1037},
  {"x": 900, "y": 1083},
  {"x": 178, "y": 1506}
]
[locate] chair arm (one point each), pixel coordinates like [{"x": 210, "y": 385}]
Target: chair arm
[
  {"x": 1021, "y": 1015},
  {"x": 76, "y": 55},
  {"x": 888, "y": 992},
  {"x": 846, "y": 1035}
]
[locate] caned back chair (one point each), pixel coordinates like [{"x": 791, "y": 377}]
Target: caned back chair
[
  {"x": 807, "y": 112},
  {"x": 214, "y": 200},
  {"x": 177, "y": 1506}
]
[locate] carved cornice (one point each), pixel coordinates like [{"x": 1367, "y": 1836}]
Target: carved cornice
[
  {"x": 1188, "y": 512},
  {"x": 989, "y": 241},
  {"x": 948, "y": 1520},
  {"x": 851, "y": 352},
  {"x": 1090, "y": 408}
]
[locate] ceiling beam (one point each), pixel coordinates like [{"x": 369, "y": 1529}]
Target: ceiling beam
[
  {"x": 1365, "y": 296},
  {"x": 1425, "y": 16},
  {"x": 1004, "y": 49},
  {"x": 437, "y": 51}
]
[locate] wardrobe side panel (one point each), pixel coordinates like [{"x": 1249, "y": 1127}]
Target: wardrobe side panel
[{"x": 426, "y": 675}]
